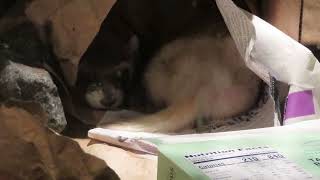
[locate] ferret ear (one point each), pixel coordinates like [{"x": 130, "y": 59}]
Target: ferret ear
[
  {"x": 130, "y": 56},
  {"x": 133, "y": 46}
]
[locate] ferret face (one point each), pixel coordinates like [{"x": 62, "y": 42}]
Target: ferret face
[
  {"x": 104, "y": 77},
  {"x": 106, "y": 90}
]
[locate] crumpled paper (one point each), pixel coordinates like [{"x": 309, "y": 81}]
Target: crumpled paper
[
  {"x": 270, "y": 53},
  {"x": 73, "y": 23},
  {"x": 28, "y": 150}
]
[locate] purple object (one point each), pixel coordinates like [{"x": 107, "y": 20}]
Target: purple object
[{"x": 299, "y": 104}]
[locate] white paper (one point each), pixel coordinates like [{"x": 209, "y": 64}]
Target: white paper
[{"x": 266, "y": 50}]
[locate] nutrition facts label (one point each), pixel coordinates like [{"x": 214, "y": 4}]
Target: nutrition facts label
[{"x": 261, "y": 163}]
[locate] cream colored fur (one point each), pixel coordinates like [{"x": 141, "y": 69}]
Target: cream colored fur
[{"x": 198, "y": 76}]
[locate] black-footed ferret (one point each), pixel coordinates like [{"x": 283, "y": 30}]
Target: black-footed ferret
[{"x": 198, "y": 76}]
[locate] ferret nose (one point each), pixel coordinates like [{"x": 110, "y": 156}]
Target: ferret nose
[{"x": 108, "y": 101}]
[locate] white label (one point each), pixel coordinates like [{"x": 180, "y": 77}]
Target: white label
[{"x": 261, "y": 163}]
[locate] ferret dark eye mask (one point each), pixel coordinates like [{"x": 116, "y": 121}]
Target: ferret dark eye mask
[{"x": 107, "y": 92}]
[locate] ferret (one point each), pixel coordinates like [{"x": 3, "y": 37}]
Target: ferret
[
  {"x": 106, "y": 81},
  {"x": 202, "y": 75}
]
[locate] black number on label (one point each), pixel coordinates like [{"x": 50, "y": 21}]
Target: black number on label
[
  {"x": 316, "y": 161},
  {"x": 275, "y": 156},
  {"x": 250, "y": 159}
]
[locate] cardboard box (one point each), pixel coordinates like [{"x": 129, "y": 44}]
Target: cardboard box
[{"x": 290, "y": 152}]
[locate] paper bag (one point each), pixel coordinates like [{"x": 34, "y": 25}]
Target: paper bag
[{"x": 273, "y": 56}]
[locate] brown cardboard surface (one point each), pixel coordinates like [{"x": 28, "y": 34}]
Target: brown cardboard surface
[
  {"x": 127, "y": 165},
  {"x": 284, "y": 14},
  {"x": 311, "y": 22}
]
